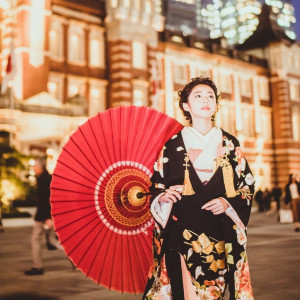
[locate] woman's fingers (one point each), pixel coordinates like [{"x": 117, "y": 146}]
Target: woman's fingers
[
  {"x": 217, "y": 212},
  {"x": 210, "y": 205},
  {"x": 173, "y": 198},
  {"x": 178, "y": 188},
  {"x": 216, "y": 206},
  {"x": 172, "y": 194},
  {"x": 167, "y": 197},
  {"x": 165, "y": 200}
]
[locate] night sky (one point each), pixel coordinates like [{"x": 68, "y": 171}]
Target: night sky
[{"x": 296, "y": 4}]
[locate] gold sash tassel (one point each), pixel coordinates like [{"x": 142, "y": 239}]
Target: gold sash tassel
[
  {"x": 188, "y": 188},
  {"x": 228, "y": 176}
]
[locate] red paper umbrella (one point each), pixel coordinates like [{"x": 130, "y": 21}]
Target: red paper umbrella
[{"x": 102, "y": 221}]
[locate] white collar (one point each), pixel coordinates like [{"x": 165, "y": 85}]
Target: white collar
[{"x": 205, "y": 138}]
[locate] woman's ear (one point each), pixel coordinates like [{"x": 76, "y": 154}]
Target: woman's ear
[{"x": 186, "y": 107}]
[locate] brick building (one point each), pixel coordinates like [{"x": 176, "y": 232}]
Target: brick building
[{"x": 74, "y": 60}]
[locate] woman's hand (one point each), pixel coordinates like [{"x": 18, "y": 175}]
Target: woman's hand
[
  {"x": 172, "y": 194},
  {"x": 48, "y": 224},
  {"x": 216, "y": 206}
]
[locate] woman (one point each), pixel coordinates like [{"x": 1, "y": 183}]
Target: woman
[
  {"x": 202, "y": 191},
  {"x": 292, "y": 195}
]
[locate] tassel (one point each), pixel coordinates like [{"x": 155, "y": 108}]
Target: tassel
[
  {"x": 228, "y": 177},
  {"x": 188, "y": 188}
]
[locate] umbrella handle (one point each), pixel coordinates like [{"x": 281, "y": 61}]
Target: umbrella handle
[{"x": 140, "y": 195}]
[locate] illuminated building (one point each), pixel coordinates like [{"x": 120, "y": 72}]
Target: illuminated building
[
  {"x": 285, "y": 15},
  {"x": 240, "y": 18},
  {"x": 233, "y": 19},
  {"x": 60, "y": 72},
  {"x": 269, "y": 41},
  {"x": 84, "y": 58}
]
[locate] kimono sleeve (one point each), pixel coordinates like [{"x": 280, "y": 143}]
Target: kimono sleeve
[
  {"x": 160, "y": 211},
  {"x": 244, "y": 185},
  {"x": 157, "y": 179}
]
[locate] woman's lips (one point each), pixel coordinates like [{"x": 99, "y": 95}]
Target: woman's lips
[{"x": 205, "y": 108}]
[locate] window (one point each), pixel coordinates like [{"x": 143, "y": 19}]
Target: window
[
  {"x": 158, "y": 6},
  {"x": 276, "y": 59},
  {"x": 196, "y": 72},
  {"x": 225, "y": 118},
  {"x": 97, "y": 101},
  {"x": 296, "y": 123},
  {"x": 139, "y": 55},
  {"x": 73, "y": 90},
  {"x": 96, "y": 49},
  {"x": 266, "y": 124},
  {"x": 294, "y": 91},
  {"x": 178, "y": 114},
  {"x": 180, "y": 74},
  {"x": 95, "y": 53},
  {"x": 53, "y": 40},
  {"x": 263, "y": 89},
  {"x": 55, "y": 86},
  {"x": 76, "y": 44},
  {"x": 177, "y": 39},
  {"x": 140, "y": 96},
  {"x": 56, "y": 40},
  {"x": 246, "y": 87},
  {"x": 114, "y": 3},
  {"x": 148, "y": 7},
  {"x": 248, "y": 124},
  {"x": 76, "y": 86},
  {"x": 225, "y": 83}
]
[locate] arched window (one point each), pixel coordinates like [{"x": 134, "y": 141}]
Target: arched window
[
  {"x": 139, "y": 55},
  {"x": 56, "y": 40},
  {"x": 96, "y": 48},
  {"x": 76, "y": 44}
]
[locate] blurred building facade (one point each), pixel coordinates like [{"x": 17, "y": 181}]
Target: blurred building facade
[{"x": 74, "y": 60}]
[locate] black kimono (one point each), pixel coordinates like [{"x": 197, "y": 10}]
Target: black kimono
[{"x": 208, "y": 249}]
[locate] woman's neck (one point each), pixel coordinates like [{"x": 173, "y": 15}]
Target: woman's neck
[{"x": 202, "y": 125}]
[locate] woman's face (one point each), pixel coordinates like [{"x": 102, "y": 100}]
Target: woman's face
[{"x": 202, "y": 102}]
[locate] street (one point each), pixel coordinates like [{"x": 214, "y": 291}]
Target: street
[{"x": 273, "y": 251}]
